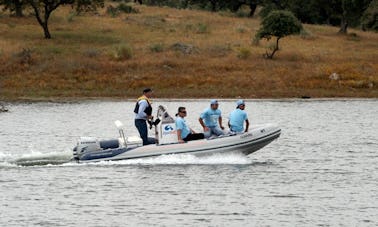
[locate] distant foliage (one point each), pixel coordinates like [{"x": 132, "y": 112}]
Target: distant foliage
[
  {"x": 121, "y": 8},
  {"x": 123, "y": 52},
  {"x": 244, "y": 53},
  {"x": 88, "y": 5},
  {"x": 370, "y": 17},
  {"x": 157, "y": 47},
  {"x": 278, "y": 23}
]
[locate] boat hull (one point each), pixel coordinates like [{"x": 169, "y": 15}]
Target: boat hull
[{"x": 245, "y": 143}]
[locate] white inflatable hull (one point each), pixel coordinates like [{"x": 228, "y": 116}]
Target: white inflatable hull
[{"x": 245, "y": 143}]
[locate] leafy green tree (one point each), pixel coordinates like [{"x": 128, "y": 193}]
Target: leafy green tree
[
  {"x": 370, "y": 17},
  {"x": 278, "y": 23},
  {"x": 351, "y": 13}
]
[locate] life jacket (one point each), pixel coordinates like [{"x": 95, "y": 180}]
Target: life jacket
[{"x": 148, "y": 110}]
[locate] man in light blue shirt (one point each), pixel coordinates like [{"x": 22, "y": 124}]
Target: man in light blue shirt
[
  {"x": 237, "y": 118},
  {"x": 184, "y": 133},
  {"x": 211, "y": 120}
]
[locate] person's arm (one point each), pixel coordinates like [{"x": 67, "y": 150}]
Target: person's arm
[
  {"x": 179, "y": 136},
  {"x": 203, "y": 125},
  {"x": 220, "y": 123},
  {"x": 246, "y": 125}
]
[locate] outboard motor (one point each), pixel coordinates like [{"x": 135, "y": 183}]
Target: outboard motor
[{"x": 85, "y": 144}]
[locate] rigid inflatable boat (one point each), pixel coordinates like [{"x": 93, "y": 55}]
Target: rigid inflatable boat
[{"x": 91, "y": 149}]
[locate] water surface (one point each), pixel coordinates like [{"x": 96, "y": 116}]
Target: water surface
[{"x": 322, "y": 171}]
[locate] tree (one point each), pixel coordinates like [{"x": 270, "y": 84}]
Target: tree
[
  {"x": 44, "y": 8},
  {"x": 278, "y": 23},
  {"x": 370, "y": 17},
  {"x": 15, "y": 6}
]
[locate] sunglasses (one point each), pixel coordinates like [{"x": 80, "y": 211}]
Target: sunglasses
[{"x": 183, "y": 112}]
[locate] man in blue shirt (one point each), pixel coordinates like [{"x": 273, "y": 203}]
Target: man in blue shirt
[
  {"x": 237, "y": 118},
  {"x": 211, "y": 120},
  {"x": 184, "y": 133}
]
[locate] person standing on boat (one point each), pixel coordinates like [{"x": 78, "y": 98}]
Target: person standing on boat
[
  {"x": 143, "y": 112},
  {"x": 184, "y": 133},
  {"x": 237, "y": 118},
  {"x": 211, "y": 120}
]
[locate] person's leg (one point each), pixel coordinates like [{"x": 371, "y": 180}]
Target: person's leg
[
  {"x": 141, "y": 125},
  {"x": 195, "y": 136},
  {"x": 217, "y": 131}
]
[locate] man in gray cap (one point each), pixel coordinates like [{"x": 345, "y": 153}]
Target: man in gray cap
[
  {"x": 211, "y": 120},
  {"x": 237, "y": 118}
]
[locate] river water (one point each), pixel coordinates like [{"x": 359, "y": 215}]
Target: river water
[{"x": 322, "y": 171}]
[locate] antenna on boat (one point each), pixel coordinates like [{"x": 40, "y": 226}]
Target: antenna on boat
[{"x": 119, "y": 125}]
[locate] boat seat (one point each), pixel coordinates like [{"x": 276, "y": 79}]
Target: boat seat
[{"x": 109, "y": 144}]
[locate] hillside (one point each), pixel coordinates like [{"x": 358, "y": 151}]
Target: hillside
[{"x": 180, "y": 53}]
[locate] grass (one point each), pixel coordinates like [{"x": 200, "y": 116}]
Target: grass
[{"x": 106, "y": 56}]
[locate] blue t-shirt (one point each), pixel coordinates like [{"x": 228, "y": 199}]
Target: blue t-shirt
[
  {"x": 211, "y": 117},
  {"x": 181, "y": 125},
  {"x": 237, "y": 118}
]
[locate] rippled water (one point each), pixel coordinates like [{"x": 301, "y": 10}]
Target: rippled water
[{"x": 322, "y": 171}]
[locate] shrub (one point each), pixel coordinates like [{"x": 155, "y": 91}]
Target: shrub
[
  {"x": 70, "y": 17},
  {"x": 24, "y": 56},
  {"x": 202, "y": 28},
  {"x": 123, "y": 52},
  {"x": 157, "y": 47},
  {"x": 112, "y": 11},
  {"x": 92, "y": 53},
  {"x": 127, "y": 8},
  {"x": 244, "y": 53},
  {"x": 241, "y": 29},
  {"x": 306, "y": 34}
]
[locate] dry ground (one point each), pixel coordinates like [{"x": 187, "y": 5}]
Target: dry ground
[{"x": 219, "y": 60}]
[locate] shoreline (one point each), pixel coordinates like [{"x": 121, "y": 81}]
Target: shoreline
[{"x": 113, "y": 99}]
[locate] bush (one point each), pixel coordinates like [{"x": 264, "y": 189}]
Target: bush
[
  {"x": 157, "y": 47},
  {"x": 123, "y": 52},
  {"x": 244, "y": 53},
  {"x": 24, "y": 56},
  {"x": 127, "y": 8},
  {"x": 112, "y": 11},
  {"x": 202, "y": 28}
]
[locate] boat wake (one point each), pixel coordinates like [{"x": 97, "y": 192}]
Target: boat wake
[
  {"x": 179, "y": 159},
  {"x": 35, "y": 159},
  {"x": 65, "y": 159}
]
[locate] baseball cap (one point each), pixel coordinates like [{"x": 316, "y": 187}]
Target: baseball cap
[
  {"x": 214, "y": 101},
  {"x": 240, "y": 102}
]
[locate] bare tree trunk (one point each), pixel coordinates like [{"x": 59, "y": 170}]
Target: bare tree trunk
[
  {"x": 344, "y": 20},
  {"x": 343, "y": 26},
  {"x": 253, "y": 7},
  {"x": 18, "y": 8},
  {"x": 276, "y": 48}
]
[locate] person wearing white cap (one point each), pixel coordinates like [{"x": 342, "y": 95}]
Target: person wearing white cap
[
  {"x": 237, "y": 118},
  {"x": 211, "y": 120}
]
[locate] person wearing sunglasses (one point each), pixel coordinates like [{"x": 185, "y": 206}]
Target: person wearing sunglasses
[
  {"x": 184, "y": 133},
  {"x": 237, "y": 118}
]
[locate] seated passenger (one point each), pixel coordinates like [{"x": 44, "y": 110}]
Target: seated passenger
[
  {"x": 237, "y": 118},
  {"x": 184, "y": 133},
  {"x": 211, "y": 120}
]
